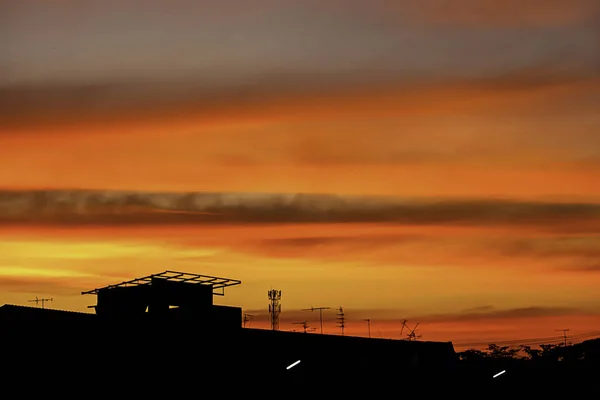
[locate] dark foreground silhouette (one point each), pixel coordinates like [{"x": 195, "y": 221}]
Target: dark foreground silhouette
[
  {"x": 162, "y": 336},
  {"x": 178, "y": 360}
]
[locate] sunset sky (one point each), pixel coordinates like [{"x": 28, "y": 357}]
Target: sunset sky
[{"x": 431, "y": 160}]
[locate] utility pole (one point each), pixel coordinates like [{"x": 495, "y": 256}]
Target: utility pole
[
  {"x": 320, "y": 314},
  {"x": 38, "y": 301},
  {"x": 564, "y": 331},
  {"x": 247, "y": 318},
  {"x": 369, "y": 325},
  {"x": 341, "y": 318}
]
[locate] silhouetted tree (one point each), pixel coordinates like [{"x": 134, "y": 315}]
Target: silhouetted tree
[
  {"x": 551, "y": 352},
  {"x": 550, "y": 356},
  {"x": 502, "y": 352},
  {"x": 531, "y": 354},
  {"x": 472, "y": 355}
]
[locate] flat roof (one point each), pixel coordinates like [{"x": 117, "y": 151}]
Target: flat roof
[{"x": 174, "y": 276}]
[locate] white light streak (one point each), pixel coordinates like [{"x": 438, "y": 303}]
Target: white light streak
[
  {"x": 499, "y": 373},
  {"x": 293, "y": 365}
]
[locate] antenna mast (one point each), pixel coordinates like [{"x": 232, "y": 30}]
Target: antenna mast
[
  {"x": 38, "y": 301},
  {"x": 304, "y": 326},
  {"x": 275, "y": 308},
  {"x": 369, "y": 326},
  {"x": 320, "y": 309},
  {"x": 247, "y": 318},
  {"x": 341, "y": 318},
  {"x": 412, "y": 336},
  {"x": 403, "y": 326}
]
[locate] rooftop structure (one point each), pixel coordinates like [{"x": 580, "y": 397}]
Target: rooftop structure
[
  {"x": 169, "y": 294},
  {"x": 173, "y": 276}
]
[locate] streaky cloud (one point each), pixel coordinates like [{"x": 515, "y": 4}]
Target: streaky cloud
[
  {"x": 85, "y": 207},
  {"x": 488, "y": 312}
]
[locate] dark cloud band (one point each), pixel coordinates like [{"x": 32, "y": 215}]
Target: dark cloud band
[{"x": 77, "y": 207}]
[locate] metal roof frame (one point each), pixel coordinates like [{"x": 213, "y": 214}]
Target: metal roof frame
[{"x": 174, "y": 276}]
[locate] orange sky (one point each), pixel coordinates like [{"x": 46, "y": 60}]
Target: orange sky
[{"x": 507, "y": 127}]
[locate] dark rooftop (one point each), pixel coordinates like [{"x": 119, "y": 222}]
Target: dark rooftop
[
  {"x": 12, "y": 311},
  {"x": 45, "y": 310}
]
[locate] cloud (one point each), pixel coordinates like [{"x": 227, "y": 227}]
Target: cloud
[
  {"x": 483, "y": 313},
  {"x": 383, "y": 249},
  {"x": 49, "y": 286},
  {"x": 590, "y": 266},
  {"x": 479, "y": 309},
  {"x": 501, "y": 13},
  {"x": 80, "y": 207},
  {"x": 561, "y": 246},
  {"x": 312, "y": 242},
  {"x": 275, "y": 52},
  {"x": 115, "y": 100},
  {"x": 550, "y": 247},
  {"x": 419, "y": 248},
  {"x": 268, "y": 36},
  {"x": 490, "y": 313},
  {"x": 280, "y": 95}
]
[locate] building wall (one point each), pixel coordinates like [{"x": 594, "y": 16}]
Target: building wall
[
  {"x": 182, "y": 294},
  {"x": 156, "y": 298},
  {"x": 123, "y": 302},
  {"x": 226, "y": 318}
]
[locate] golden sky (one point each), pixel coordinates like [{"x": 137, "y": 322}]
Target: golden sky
[{"x": 400, "y": 161}]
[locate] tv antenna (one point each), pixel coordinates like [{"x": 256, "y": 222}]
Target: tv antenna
[
  {"x": 404, "y": 321},
  {"x": 412, "y": 336},
  {"x": 305, "y": 326},
  {"x": 275, "y": 308},
  {"x": 564, "y": 331},
  {"x": 39, "y": 301},
  {"x": 368, "y": 325},
  {"x": 320, "y": 309},
  {"x": 341, "y": 319},
  {"x": 247, "y": 318}
]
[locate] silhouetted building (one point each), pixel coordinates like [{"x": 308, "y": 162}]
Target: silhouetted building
[
  {"x": 167, "y": 325},
  {"x": 13, "y": 314},
  {"x": 168, "y": 297}
]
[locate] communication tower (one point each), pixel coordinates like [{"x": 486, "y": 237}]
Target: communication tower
[{"x": 274, "y": 308}]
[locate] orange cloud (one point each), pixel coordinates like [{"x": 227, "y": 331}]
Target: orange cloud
[
  {"x": 435, "y": 261},
  {"x": 190, "y": 103},
  {"x": 438, "y": 139}
]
